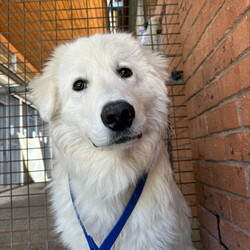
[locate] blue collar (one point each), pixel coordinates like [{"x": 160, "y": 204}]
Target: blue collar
[{"x": 113, "y": 234}]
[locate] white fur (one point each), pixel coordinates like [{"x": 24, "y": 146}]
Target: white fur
[{"x": 104, "y": 177}]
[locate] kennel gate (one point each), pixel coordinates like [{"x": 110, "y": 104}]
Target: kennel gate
[{"x": 30, "y": 29}]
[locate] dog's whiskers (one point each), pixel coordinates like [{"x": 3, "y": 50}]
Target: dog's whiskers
[{"x": 168, "y": 125}]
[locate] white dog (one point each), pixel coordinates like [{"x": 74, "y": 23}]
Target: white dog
[{"x": 105, "y": 101}]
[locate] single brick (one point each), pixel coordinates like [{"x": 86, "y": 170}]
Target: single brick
[
  {"x": 217, "y": 202},
  {"x": 198, "y": 127},
  {"x": 221, "y": 58},
  {"x": 183, "y": 165},
  {"x": 209, "y": 149},
  {"x": 191, "y": 108},
  {"x": 184, "y": 6},
  {"x": 201, "y": 51},
  {"x": 177, "y": 177},
  {"x": 213, "y": 149},
  {"x": 214, "y": 121},
  {"x": 187, "y": 177},
  {"x": 180, "y": 143},
  {"x": 233, "y": 237},
  {"x": 245, "y": 108},
  {"x": 214, "y": 244},
  {"x": 194, "y": 210},
  {"x": 213, "y": 95},
  {"x": 195, "y": 235},
  {"x": 195, "y": 224},
  {"x": 240, "y": 212},
  {"x": 194, "y": 84},
  {"x": 201, "y": 102},
  {"x": 205, "y": 239},
  {"x": 203, "y": 173},
  {"x": 237, "y": 146},
  {"x": 188, "y": 188},
  {"x": 195, "y": 149},
  {"x": 208, "y": 220},
  {"x": 224, "y": 118},
  {"x": 234, "y": 179},
  {"x": 240, "y": 37},
  {"x": 235, "y": 79},
  {"x": 190, "y": 199},
  {"x": 199, "y": 187},
  {"x": 209, "y": 242}
]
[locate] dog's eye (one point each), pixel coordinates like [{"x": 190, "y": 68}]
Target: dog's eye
[
  {"x": 125, "y": 72},
  {"x": 80, "y": 85}
]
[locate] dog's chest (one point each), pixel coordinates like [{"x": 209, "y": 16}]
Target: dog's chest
[{"x": 98, "y": 214}]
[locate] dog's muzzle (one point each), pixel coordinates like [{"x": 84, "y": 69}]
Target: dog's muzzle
[{"x": 118, "y": 116}]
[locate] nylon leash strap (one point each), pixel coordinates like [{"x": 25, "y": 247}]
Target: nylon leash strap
[{"x": 113, "y": 234}]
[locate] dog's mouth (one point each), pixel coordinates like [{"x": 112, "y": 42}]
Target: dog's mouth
[
  {"x": 120, "y": 140},
  {"x": 127, "y": 138}
]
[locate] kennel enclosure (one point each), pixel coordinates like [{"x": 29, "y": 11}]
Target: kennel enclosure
[{"x": 207, "y": 45}]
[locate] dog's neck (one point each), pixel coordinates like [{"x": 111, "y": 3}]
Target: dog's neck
[{"x": 106, "y": 174}]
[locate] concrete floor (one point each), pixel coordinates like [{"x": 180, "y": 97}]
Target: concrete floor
[{"x": 25, "y": 220}]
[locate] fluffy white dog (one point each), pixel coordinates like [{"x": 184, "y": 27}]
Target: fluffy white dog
[{"x": 105, "y": 101}]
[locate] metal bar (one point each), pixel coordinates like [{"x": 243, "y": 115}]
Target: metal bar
[
  {"x": 11, "y": 75},
  {"x": 13, "y": 90},
  {"x": 173, "y": 55},
  {"x": 175, "y": 82}
]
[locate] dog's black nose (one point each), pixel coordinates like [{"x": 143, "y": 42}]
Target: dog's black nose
[{"x": 118, "y": 116}]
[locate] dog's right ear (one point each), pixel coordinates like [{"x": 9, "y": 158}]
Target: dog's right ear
[{"x": 43, "y": 91}]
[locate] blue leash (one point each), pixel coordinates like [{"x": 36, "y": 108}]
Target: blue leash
[{"x": 112, "y": 236}]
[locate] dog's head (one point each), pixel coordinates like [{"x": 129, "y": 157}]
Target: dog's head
[{"x": 106, "y": 89}]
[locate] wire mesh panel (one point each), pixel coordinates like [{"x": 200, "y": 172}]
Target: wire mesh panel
[{"x": 30, "y": 29}]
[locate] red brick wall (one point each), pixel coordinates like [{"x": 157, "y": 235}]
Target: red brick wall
[{"x": 215, "y": 39}]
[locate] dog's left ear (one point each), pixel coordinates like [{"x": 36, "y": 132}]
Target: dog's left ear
[
  {"x": 158, "y": 63},
  {"x": 43, "y": 93}
]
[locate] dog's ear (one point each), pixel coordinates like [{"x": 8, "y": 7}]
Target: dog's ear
[
  {"x": 43, "y": 91},
  {"x": 159, "y": 64}
]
